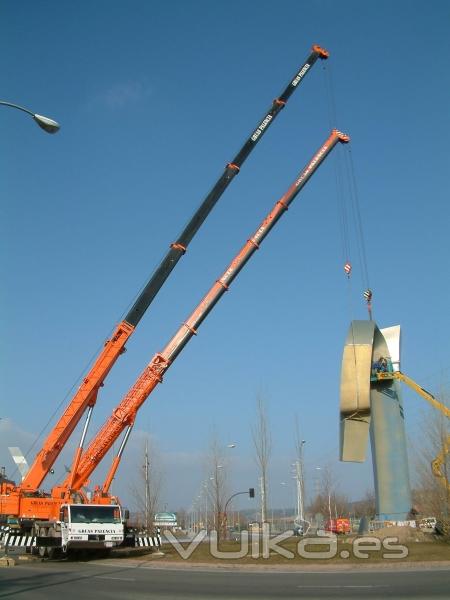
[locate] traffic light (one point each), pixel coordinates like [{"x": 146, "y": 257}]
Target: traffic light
[{"x": 251, "y": 492}]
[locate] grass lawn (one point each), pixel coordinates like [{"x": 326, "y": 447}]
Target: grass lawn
[{"x": 345, "y": 551}]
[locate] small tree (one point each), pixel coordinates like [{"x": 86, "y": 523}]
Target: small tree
[
  {"x": 366, "y": 506},
  {"x": 182, "y": 518},
  {"x": 263, "y": 447},
  {"x": 147, "y": 489},
  {"x": 431, "y": 494},
  {"x": 216, "y": 489},
  {"x": 329, "y": 501}
]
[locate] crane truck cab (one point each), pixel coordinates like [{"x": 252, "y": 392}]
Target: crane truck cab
[
  {"x": 82, "y": 526},
  {"x": 91, "y": 525}
]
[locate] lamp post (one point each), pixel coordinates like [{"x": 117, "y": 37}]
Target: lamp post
[
  {"x": 205, "y": 491},
  {"x": 300, "y": 487},
  {"x": 45, "y": 123},
  {"x": 283, "y": 485},
  {"x": 302, "y": 481}
]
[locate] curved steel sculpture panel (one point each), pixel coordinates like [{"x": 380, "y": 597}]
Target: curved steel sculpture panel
[{"x": 355, "y": 391}]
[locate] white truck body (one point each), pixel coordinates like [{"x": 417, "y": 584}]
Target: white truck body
[
  {"x": 81, "y": 526},
  {"x": 91, "y": 526}
]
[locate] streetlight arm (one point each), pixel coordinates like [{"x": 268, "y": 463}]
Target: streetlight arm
[
  {"x": 45, "y": 123},
  {"x": 4, "y": 103},
  {"x": 231, "y": 498}
]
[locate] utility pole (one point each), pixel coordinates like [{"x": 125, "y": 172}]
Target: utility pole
[
  {"x": 300, "y": 483},
  {"x": 147, "y": 487},
  {"x": 205, "y": 491},
  {"x": 299, "y": 491}
]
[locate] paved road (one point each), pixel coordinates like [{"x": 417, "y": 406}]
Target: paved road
[{"x": 112, "y": 581}]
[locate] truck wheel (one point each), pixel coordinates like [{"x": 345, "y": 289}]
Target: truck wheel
[{"x": 54, "y": 553}]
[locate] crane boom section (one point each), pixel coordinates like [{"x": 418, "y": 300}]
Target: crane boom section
[
  {"x": 87, "y": 393},
  {"x": 178, "y": 248},
  {"x": 125, "y": 413},
  {"x": 85, "y": 396}
]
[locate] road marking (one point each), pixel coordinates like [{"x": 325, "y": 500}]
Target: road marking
[
  {"x": 120, "y": 578},
  {"x": 340, "y": 586}
]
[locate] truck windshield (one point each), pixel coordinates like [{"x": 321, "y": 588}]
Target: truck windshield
[{"x": 94, "y": 514}]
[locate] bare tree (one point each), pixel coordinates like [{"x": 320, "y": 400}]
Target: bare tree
[
  {"x": 182, "y": 518},
  {"x": 431, "y": 494},
  {"x": 217, "y": 478},
  {"x": 329, "y": 501},
  {"x": 147, "y": 489},
  {"x": 263, "y": 447},
  {"x": 366, "y": 506}
]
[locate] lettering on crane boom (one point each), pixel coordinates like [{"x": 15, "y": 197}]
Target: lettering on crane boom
[
  {"x": 311, "y": 165},
  {"x": 261, "y": 127},
  {"x": 298, "y": 77}
]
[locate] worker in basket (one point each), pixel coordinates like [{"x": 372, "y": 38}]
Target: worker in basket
[{"x": 381, "y": 365}]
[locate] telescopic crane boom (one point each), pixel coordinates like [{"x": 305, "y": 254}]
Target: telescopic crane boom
[
  {"x": 86, "y": 394},
  {"x": 124, "y": 415}
]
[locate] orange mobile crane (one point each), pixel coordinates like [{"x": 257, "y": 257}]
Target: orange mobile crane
[
  {"x": 64, "y": 532},
  {"x": 34, "y": 508},
  {"x": 124, "y": 415}
]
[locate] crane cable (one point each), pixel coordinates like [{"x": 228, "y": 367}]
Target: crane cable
[
  {"x": 349, "y": 214},
  {"x": 348, "y": 204},
  {"x": 359, "y": 232}
]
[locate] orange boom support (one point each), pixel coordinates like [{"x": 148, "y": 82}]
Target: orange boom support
[{"x": 124, "y": 415}]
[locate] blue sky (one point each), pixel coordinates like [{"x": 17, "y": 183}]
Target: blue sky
[{"x": 154, "y": 99}]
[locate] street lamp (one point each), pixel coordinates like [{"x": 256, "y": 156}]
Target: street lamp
[
  {"x": 45, "y": 123},
  {"x": 205, "y": 491},
  {"x": 300, "y": 483},
  {"x": 283, "y": 484}
]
